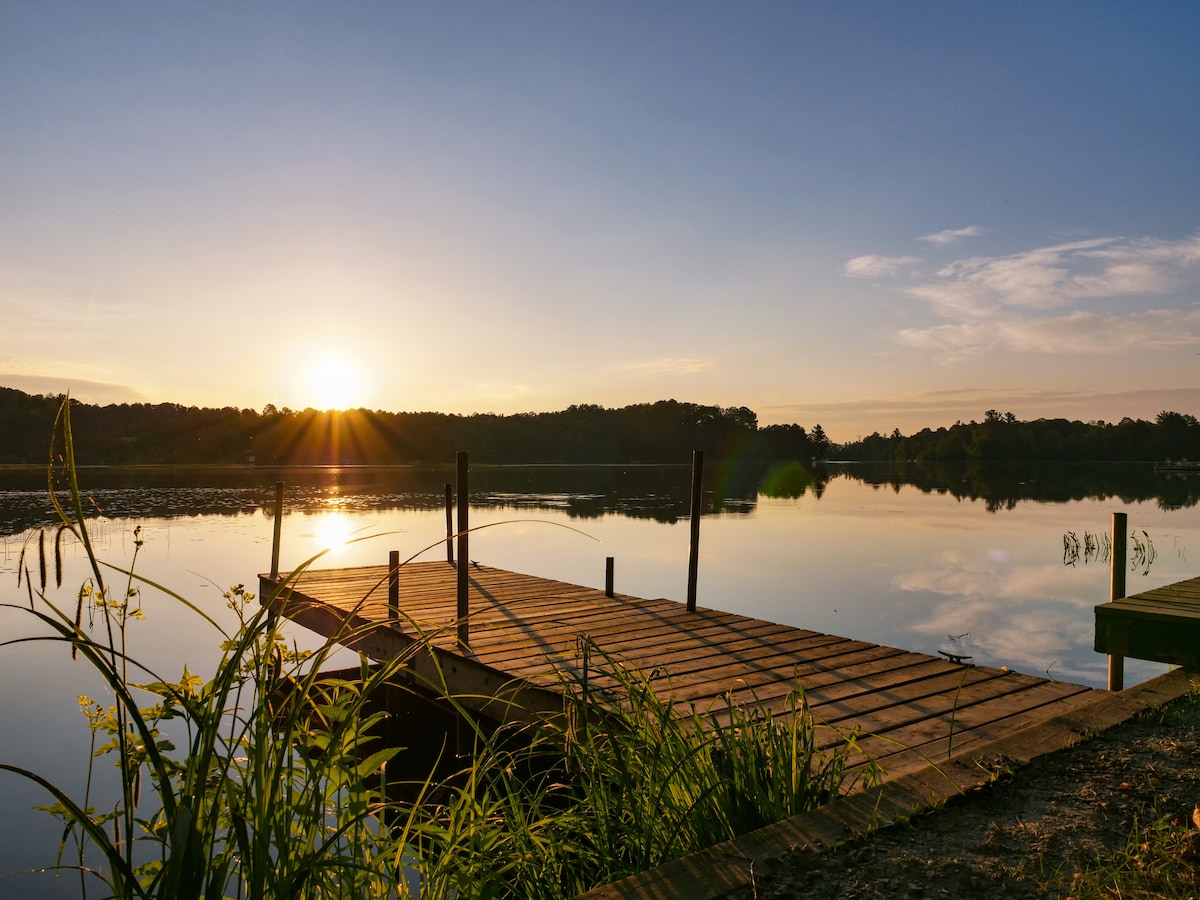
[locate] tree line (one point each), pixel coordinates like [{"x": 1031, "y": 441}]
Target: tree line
[
  {"x": 1001, "y": 437},
  {"x": 662, "y": 432},
  {"x": 167, "y": 433}
]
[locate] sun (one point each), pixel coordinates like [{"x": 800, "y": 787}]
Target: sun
[{"x": 334, "y": 383}]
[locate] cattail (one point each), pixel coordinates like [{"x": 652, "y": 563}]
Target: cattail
[
  {"x": 78, "y": 620},
  {"x": 58, "y": 556},
  {"x": 42, "y": 557}
]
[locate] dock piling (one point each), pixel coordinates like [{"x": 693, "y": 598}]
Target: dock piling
[
  {"x": 464, "y": 558},
  {"x": 1116, "y": 590},
  {"x": 449, "y": 524},
  {"x": 394, "y": 586},
  {"x": 608, "y": 576},
  {"x": 697, "y": 499},
  {"x": 278, "y": 530}
]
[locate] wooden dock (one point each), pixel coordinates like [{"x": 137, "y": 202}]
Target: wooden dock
[
  {"x": 909, "y": 708},
  {"x": 1162, "y": 625}
]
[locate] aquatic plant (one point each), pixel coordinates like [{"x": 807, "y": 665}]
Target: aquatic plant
[
  {"x": 1098, "y": 548},
  {"x": 1094, "y": 548},
  {"x": 1141, "y": 552}
]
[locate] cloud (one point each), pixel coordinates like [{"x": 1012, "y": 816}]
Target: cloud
[
  {"x": 81, "y": 389},
  {"x": 952, "y": 235},
  {"x": 673, "y": 366},
  {"x": 1059, "y": 275},
  {"x": 1078, "y": 332},
  {"x": 875, "y": 266},
  {"x": 1002, "y": 303}
]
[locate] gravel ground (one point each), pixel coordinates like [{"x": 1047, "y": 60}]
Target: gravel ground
[{"x": 1024, "y": 836}]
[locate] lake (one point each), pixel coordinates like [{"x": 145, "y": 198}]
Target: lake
[{"x": 968, "y": 561}]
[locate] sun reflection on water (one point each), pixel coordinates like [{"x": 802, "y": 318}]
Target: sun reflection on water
[{"x": 332, "y": 530}]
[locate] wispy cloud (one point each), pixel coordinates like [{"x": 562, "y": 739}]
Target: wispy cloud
[
  {"x": 952, "y": 235},
  {"x": 1059, "y": 275},
  {"x": 875, "y": 266},
  {"x": 80, "y": 388},
  {"x": 1001, "y": 302},
  {"x": 673, "y": 366},
  {"x": 1079, "y": 332}
]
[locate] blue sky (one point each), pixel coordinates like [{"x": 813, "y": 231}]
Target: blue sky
[{"x": 868, "y": 215}]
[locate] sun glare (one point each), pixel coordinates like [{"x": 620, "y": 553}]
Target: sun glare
[
  {"x": 333, "y": 530},
  {"x": 334, "y": 383}
]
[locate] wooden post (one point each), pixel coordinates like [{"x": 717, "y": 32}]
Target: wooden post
[
  {"x": 464, "y": 558},
  {"x": 697, "y": 499},
  {"x": 394, "y": 586},
  {"x": 1116, "y": 590},
  {"x": 608, "y": 576},
  {"x": 278, "y": 530},
  {"x": 449, "y": 523}
]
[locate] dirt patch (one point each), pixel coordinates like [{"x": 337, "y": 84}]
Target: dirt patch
[{"x": 1023, "y": 836}]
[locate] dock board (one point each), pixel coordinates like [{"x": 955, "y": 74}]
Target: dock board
[
  {"x": 1162, "y": 625},
  {"x": 909, "y": 708}
]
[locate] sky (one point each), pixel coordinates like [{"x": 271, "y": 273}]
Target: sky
[{"x": 867, "y": 215}]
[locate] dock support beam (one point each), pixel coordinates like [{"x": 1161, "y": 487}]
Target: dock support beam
[
  {"x": 464, "y": 558},
  {"x": 697, "y": 499},
  {"x": 278, "y": 530},
  {"x": 1116, "y": 590}
]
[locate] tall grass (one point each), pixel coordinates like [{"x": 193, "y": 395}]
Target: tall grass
[{"x": 269, "y": 780}]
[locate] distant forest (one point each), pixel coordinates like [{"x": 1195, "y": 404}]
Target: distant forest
[
  {"x": 662, "y": 432},
  {"x": 1001, "y": 437},
  {"x": 168, "y": 433}
]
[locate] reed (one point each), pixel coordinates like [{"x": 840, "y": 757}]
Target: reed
[
  {"x": 1097, "y": 548},
  {"x": 268, "y": 779}
]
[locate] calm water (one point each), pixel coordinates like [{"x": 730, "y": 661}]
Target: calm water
[{"x": 971, "y": 566}]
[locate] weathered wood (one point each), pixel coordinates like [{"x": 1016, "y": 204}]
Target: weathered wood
[
  {"x": 528, "y": 637},
  {"x": 393, "y": 586},
  {"x": 1162, "y": 625},
  {"x": 449, "y": 523},
  {"x": 278, "y": 529},
  {"x": 694, "y": 545},
  {"x": 715, "y": 872},
  {"x": 1116, "y": 590},
  {"x": 464, "y": 529}
]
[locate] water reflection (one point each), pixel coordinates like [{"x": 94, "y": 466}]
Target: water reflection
[
  {"x": 659, "y": 493},
  {"x": 1002, "y": 487}
]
